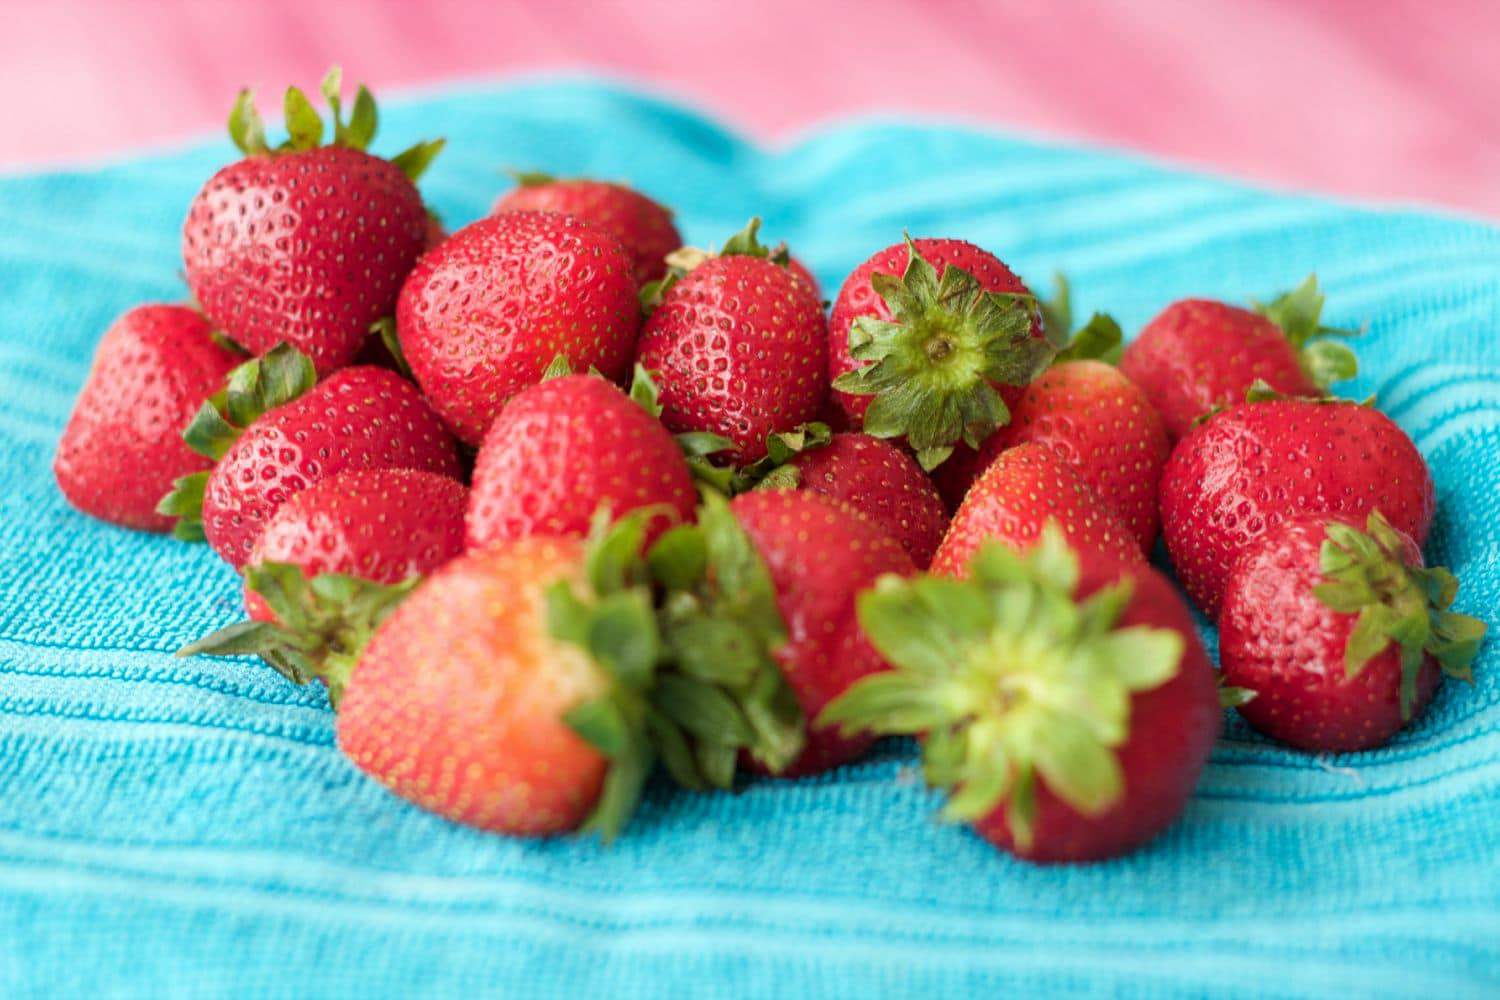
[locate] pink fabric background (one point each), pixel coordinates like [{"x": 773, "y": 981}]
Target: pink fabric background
[{"x": 1386, "y": 99}]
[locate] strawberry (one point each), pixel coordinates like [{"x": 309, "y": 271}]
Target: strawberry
[
  {"x": 1199, "y": 354},
  {"x": 563, "y": 449},
  {"x": 273, "y": 433},
  {"x": 1068, "y": 712},
  {"x": 507, "y": 691},
  {"x": 643, "y": 227},
  {"x": 736, "y": 345},
  {"x": 483, "y": 314},
  {"x": 1098, "y": 421},
  {"x": 1341, "y": 632},
  {"x": 306, "y": 244},
  {"x": 1252, "y": 466},
  {"x": 1014, "y": 499},
  {"x": 930, "y": 341},
  {"x": 122, "y": 448}
]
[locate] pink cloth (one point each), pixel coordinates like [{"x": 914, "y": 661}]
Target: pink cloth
[{"x": 1388, "y": 99}]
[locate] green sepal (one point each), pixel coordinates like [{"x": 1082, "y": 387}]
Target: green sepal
[
  {"x": 531, "y": 178},
  {"x": 185, "y": 502},
  {"x": 415, "y": 159},
  {"x": 1100, "y": 339},
  {"x": 1233, "y": 697},
  {"x": 557, "y": 368},
  {"x": 682, "y": 262},
  {"x": 933, "y": 366},
  {"x": 1299, "y": 315},
  {"x": 303, "y": 124},
  {"x": 645, "y": 391},
  {"x": 246, "y": 129},
  {"x": 385, "y": 329}
]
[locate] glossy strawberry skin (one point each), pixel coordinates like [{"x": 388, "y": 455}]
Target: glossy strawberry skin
[
  {"x": 1015, "y": 497},
  {"x": 1098, "y": 421},
  {"x": 1279, "y": 640},
  {"x": 820, "y": 554},
  {"x": 643, "y": 227},
  {"x": 122, "y": 448},
  {"x": 1172, "y": 731},
  {"x": 738, "y": 345},
  {"x": 561, "y": 450},
  {"x": 383, "y": 525},
  {"x": 357, "y": 418},
  {"x": 1252, "y": 466},
  {"x": 883, "y": 483},
  {"x": 483, "y": 315},
  {"x": 307, "y": 247},
  {"x": 858, "y": 298},
  {"x": 1199, "y": 354},
  {"x": 458, "y": 702}
]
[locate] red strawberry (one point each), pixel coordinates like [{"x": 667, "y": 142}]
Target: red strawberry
[
  {"x": 1014, "y": 499},
  {"x": 1252, "y": 466},
  {"x": 931, "y": 340},
  {"x": 123, "y": 447},
  {"x": 1099, "y": 422},
  {"x": 1199, "y": 354},
  {"x": 643, "y": 227},
  {"x": 1340, "y": 632},
  {"x": 306, "y": 244},
  {"x": 737, "y": 347},
  {"x": 483, "y": 315},
  {"x": 1069, "y": 713},
  {"x": 274, "y": 433},
  {"x": 561, "y": 450}
]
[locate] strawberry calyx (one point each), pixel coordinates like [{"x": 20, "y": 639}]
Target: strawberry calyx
[
  {"x": 1100, "y": 339},
  {"x": 1008, "y": 677},
  {"x": 772, "y": 471},
  {"x": 305, "y": 126},
  {"x": 321, "y": 628},
  {"x": 1365, "y": 574},
  {"x": 684, "y": 260},
  {"x": 1299, "y": 315},
  {"x": 531, "y": 178},
  {"x": 932, "y": 366},
  {"x": 255, "y": 387}
]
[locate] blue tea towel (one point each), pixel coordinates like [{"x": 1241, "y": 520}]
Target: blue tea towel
[{"x": 187, "y": 828}]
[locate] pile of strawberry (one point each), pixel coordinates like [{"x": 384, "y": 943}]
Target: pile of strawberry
[{"x": 551, "y": 503}]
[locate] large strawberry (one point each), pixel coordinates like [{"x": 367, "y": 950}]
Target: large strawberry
[
  {"x": 1015, "y": 498},
  {"x": 1068, "y": 712},
  {"x": 484, "y": 313},
  {"x": 643, "y": 227},
  {"x": 930, "y": 341},
  {"x": 1199, "y": 354},
  {"x": 272, "y": 433},
  {"x": 737, "y": 346},
  {"x": 563, "y": 449},
  {"x": 303, "y": 243},
  {"x": 1248, "y": 468},
  {"x": 122, "y": 448},
  {"x": 1340, "y": 631}
]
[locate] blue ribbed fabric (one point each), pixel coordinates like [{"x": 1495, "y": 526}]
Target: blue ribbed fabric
[{"x": 186, "y": 827}]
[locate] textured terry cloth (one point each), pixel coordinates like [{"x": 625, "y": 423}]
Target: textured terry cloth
[{"x": 187, "y": 827}]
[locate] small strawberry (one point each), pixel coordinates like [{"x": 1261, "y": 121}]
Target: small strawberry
[
  {"x": 930, "y": 341},
  {"x": 736, "y": 345},
  {"x": 123, "y": 447},
  {"x": 1020, "y": 492},
  {"x": 272, "y": 433},
  {"x": 1068, "y": 712},
  {"x": 643, "y": 227},
  {"x": 1250, "y": 467},
  {"x": 306, "y": 244},
  {"x": 563, "y": 449},
  {"x": 1341, "y": 632},
  {"x": 483, "y": 315},
  {"x": 1200, "y": 354}
]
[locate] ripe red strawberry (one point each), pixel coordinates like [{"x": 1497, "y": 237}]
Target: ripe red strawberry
[
  {"x": 931, "y": 340},
  {"x": 1013, "y": 500},
  {"x": 1340, "y": 631},
  {"x": 737, "y": 346},
  {"x": 643, "y": 227},
  {"x": 303, "y": 243},
  {"x": 273, "y": 433},
  {"x": 1252, "y": 466},
  {"x": 483, "y": 315},
  {"x": 123, "y": 447},
  {"x": 1068, "y": 712},
  {"x": 561, "y": 450},
  {"x": 1200, "y": 354},
  {"x": 1097, "y": 420}
]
